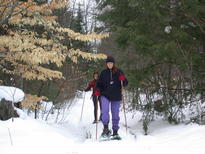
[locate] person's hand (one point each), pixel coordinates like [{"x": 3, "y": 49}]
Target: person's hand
[
  {"x": 97, "y": 93},
  {"x": 122, "y": 78}
]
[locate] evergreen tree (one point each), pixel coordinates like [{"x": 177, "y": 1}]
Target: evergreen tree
[
  {"x": 165, "y": 40},
  {"x": 78, "y": 25}
]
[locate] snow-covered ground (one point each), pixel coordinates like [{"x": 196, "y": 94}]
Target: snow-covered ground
[{"x": 73, "y": 136}]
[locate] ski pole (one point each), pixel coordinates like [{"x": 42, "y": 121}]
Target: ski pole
[
  {"x": 96, "y": 118},
  {"x": 10, "y": 137},
  {"x": 123, "y": 104},
  {"x": 82, "y": 107}
]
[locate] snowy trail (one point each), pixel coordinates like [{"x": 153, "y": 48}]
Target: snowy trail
[
  {"x": 163, "y": 136},
  {"x": 70, "y": 137},
  {"x": 85, "y": 126}
]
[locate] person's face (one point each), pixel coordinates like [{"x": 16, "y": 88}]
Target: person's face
[
  {"x": 110, "y": 65},
  {"x": 95, "y": 76}
]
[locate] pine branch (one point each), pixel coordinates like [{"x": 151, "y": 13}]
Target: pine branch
[{"x": 195, "y": 21}]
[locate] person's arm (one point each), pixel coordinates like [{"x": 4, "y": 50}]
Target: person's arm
[
  {"x": 123, "y": 78},
  {"x": 89, "y": 87}
]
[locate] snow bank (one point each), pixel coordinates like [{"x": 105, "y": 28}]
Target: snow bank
[
  {"x": 33, "y": 137},
  {"x": 12, "y": 94},
  {"x": 78, "y": 137}
]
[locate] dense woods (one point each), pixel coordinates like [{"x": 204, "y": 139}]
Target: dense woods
[
  {"x": 163, "y": 41},
  {"x": 39, "y": 52},
  {"x": 51, "y": 48}
]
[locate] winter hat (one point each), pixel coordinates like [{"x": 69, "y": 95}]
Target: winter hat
[{"x": 110, "y": 59}]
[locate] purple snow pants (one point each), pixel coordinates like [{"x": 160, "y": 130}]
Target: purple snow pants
[{"x": 105, "y": 108}]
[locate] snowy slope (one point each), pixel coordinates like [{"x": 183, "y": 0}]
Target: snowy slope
[{"x": 70, "y": 137}]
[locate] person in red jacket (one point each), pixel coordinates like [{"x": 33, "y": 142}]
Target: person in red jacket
[{"x": 92, "y": 85}]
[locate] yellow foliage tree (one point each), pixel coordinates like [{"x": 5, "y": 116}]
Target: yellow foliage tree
[
  {"x": 31, "y": 39},
  {"x": 32, "y": 101}
]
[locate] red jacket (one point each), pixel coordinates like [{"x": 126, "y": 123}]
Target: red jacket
[{"x": 92, "y": 84}]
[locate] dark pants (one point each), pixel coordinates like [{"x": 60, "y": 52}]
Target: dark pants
[{"x": 96, "y": 107}]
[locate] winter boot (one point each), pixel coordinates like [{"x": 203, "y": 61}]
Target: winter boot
[
  {"x": 115, "y": 135},
  {"x": 106, "y": 133},
  {"x": 95, "y": 121}
]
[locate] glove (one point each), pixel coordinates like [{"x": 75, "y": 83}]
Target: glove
[
  {"x": 97, "y": 93},
  {"x": 122, "y": 78}
]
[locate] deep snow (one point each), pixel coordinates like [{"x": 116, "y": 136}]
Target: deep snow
[{"x": 31, "y": 136}]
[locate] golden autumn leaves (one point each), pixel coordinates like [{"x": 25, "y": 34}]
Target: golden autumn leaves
[
  {"x": 25, "y": 53},
  {"x": 32, "y": 101}
]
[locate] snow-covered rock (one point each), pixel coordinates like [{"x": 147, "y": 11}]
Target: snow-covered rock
[{"x": 12, "y": 94}]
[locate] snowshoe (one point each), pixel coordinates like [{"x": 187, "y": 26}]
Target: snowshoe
[
  {"x": 105, "y": 136},
  {"x": 95, "y": 121},
  {"x": 115, "y": 137}
]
